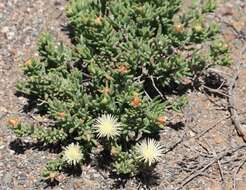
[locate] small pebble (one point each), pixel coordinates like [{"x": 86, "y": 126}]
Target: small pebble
[
  {"x": 2, "y": 5},
  {"x": 5, "y": 30}
]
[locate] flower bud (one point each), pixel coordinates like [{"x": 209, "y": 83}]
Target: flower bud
[
  {"x": 178, "y": 28},
  {"x": 115, "y": 151},
  {"x": 98, "y": 21},
  {"x": 198, "y": 28}
]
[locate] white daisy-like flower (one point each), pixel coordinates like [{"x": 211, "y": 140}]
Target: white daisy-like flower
[
  {"x": 107, "y": 126},
  {"x": 72, "y": 154},
  {"x": 149, "y": 151}
]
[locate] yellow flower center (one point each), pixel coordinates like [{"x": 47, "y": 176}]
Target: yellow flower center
[
  {"x": 73, "y": 154},
  {"x": 107, "y": 127},
  {"x": 149, "y": 153}
]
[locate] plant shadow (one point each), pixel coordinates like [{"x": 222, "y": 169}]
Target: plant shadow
[
  {"x": 176, "y": 126},
  {"x": 146, "y": 179},
  {"x": 215, "y": 84},
  {"x": 50, "y": 184},
  {"x": 75, "y": 171},
  {"x": 103, "y": 160},
  {"x": 154, "y": 89},
  {"x": 69, "y": 31},
  {"x": 32, "y": 105},
  {"x": 19, "y": 146}
]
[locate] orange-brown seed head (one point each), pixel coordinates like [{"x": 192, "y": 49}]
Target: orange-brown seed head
[
  {"x": 161, "y": 120},
  {"x": 61, "y": 114},
  {"x": 178, "y": 28},
  {"x": 53, "y": 176},
  {"x": 136, "y": 101},
  {"x": 98, "y": 20},
  {"x": 114, "y": 151},
  {"x": 122, "y": 69},
  {"x": 13, "y": 122},
  {"x": 226, "y": 46},
  {"x": 28, "y": 62},
  {"x": 105, "y": 90}
]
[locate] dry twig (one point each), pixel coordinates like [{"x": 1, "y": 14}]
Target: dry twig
[
  {"x": 231, "y": 99},
  {"x": 159, "y": 92},
  {"x": 236, "y": 172},
  {"x": 207, "y": 165},
  {"x": 217, "y": 91},
  {"x": 218, "y": 162},
  {"x": 213, "y": 126}
]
